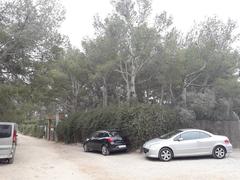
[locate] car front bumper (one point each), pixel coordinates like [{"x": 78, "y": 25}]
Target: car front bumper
[{"x": 151, "y": 153}]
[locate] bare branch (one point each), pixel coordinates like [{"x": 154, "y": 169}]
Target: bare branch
[
  {"x": 189, "y": 83},
  {"x": 124, "y": 74},
  {"x": 198, "y": 71},
  {"x": 198, "y": 85},
  {"x": 143, "y": 81}
]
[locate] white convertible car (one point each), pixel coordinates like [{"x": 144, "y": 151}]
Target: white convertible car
[{"x": 187, "y": 142}]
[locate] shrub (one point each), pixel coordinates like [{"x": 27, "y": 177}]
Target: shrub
[
  {"x": 137, "y": 124},
  {"x": 32, "y": 129}
]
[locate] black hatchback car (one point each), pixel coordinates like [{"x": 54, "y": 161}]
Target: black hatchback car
[{"x": 105, "y": 142}]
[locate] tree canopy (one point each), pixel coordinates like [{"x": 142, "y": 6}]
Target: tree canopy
[{"x": 133, "y": 58}]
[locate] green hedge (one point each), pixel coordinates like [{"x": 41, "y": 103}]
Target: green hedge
[
  {"x": 137, "y": 124},
  {"x": 32, "y": 130}
]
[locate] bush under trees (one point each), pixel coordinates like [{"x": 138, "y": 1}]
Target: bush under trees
[
  {"x": 33, "y": 129},
  {"x": 137, "y": 124}
]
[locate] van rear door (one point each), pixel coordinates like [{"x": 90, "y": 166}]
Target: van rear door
[{"x": 6, "y": 133}]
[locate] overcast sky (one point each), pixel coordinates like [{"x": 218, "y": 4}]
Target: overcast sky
[{"x": 79, "y": 14}]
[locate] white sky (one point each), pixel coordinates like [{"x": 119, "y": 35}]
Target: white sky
[{"x": 79, "y": 14}]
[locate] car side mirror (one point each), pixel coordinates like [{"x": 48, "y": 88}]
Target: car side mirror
[{"x": 180, "y": 139}]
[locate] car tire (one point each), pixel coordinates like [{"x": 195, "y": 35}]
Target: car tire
[
  {"x": 105, "y": 151},
  {"x": 10, "y": 160},
  {"x": 165, "y": 154},
  {"x": 126, "y": 151},
  {"x": 85, "y": 148},
  {"x": 219, "y": 152}
]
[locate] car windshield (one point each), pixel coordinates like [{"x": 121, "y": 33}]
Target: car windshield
[
  {"x": 5, "y": 131},
  {"x": 169, "y": 135}
]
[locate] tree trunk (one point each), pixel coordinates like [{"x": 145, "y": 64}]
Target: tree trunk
[
  {"x": 119, "y": 93},
  {"x": 75, "y": 93},
  {"x": 133, "y": 87},
  {"x": 162, "y": 95},
  {"x": 172, "y": 98},
  {"x": 132, "y": 83},
  {"x": 104, "y": 93},
  {"x": 205, "y": 82},
  {"x": 184, "y": 96},
  {"x": 128, "y": 91}
]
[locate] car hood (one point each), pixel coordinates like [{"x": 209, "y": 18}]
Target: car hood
[{"x": 153, "y": 142}]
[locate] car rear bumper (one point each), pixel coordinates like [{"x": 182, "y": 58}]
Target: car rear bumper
[
  {"x": 121, "y": 147},
  {"x": 6, "y": 155},
  {"x": 229, "y": 148}
]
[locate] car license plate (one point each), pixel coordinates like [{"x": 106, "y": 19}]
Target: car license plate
[{"x": 122, "y": 146}]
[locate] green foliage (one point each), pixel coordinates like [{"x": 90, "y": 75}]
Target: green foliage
[
  {"x": 28, "y": 35},
  {"x": 29, "y": 41},
  {"x": 10, "y": 107},
  {"x": 129, "y": 60},
  {"x": 229, "y": 88},
  {"x": 137, "y": 124},
  {"x": 32, "y": 128}
]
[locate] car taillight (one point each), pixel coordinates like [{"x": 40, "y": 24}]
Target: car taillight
[
  {"x": 14, "y": 136},
  {"x": 226, "y": 141},
  {"x": 109, "y": 140}
]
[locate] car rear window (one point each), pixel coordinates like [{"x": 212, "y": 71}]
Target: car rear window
[
  {"x": 203, "y": 135},
  {"x": 5, "y": 131},
  {"x": 114, "y": 133},
  {"x": 102, "y": 135}
]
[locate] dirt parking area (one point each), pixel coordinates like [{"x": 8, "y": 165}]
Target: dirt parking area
[{"x": 40, "y": 159}]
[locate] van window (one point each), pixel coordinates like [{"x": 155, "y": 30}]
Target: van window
[{"x": 5, "y": 131}]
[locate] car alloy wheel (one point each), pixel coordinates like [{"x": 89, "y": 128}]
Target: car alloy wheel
[
  {"x": 219, "y": 152},
  {"x": 165, "y": 154},
  {"x": 105, "y": 150}
]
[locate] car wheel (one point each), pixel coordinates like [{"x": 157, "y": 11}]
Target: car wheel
[
  {"x": 219, "y": 152},
  {"x": 105, "y": 150},
  {"x": 165, "y": 154},
  {"x": 85, "y": 148},
  {"x": 10, "y": 160}
]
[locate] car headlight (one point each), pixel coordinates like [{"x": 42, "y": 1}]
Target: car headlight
[{"x": 153, "y": 147}]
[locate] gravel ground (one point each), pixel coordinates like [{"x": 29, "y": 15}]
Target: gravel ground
[{"x": 40, "y": 159}]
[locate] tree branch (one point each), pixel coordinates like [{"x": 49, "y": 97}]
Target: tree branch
[
  {"x": 189, "y": 83},
  {"x": 198, "y": 71}
]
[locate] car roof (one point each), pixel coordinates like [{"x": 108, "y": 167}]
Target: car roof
[
  {"x": 112, "y": 130},
  {"x": 7, "y": 123},
  {"x": 192, "y": 129},
  {"x": 188, "y": 129},
  {"x": 102, "y": 131}
]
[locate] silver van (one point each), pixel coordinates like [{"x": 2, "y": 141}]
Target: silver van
[{"x": 8, "y": 141}]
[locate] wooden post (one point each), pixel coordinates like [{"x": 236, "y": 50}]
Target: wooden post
[{"x": 49, "y": 129}]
